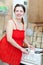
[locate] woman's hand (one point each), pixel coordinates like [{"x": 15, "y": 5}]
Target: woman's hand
[
  {"x": 24, "y": 51},
  {"x": 31, "y": 47}
]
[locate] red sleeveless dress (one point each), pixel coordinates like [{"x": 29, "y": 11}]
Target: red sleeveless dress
[{"x": 9, "y": 53}]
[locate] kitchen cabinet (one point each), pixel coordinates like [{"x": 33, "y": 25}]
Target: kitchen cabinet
[{"x": 35, "y": 11}]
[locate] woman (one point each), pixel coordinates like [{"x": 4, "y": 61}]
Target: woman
[{"x": 11, "y": 45}]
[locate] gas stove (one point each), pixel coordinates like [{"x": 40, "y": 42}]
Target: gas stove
[{"x": 33, "y": 58}]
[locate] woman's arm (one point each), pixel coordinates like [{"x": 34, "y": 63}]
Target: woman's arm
[
  {"x": 9, "y": 32},
  {"x": 26, "y": 42}
]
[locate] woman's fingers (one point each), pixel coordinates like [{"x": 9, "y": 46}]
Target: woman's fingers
[{"x": 31, "y": 47}]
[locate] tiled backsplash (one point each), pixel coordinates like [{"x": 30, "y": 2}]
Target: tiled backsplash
[{"x": 37, "y": 37}]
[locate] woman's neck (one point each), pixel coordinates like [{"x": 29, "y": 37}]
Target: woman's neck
[{"x": 18, "y": 20}]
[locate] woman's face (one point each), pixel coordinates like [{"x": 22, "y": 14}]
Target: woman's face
[{"x": 19, "y": 12}]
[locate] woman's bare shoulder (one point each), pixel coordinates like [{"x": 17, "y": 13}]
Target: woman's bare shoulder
[
  {"x": 10, "y": 21},
  {"x": 9, "y": 24}
]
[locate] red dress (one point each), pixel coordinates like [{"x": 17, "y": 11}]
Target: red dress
[{"x": 9, "y": 53}]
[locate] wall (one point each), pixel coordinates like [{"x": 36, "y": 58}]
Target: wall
[{"x": 4, "y": 19}]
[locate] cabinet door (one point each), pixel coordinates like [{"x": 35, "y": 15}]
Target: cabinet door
[
  {"x": 41, "y": 10},
  {"x": 35, "y": 10}
]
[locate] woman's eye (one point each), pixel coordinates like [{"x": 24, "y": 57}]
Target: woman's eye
[
  {"x": 21, "y": 11},
  {"x": 16, "y": 10}
]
